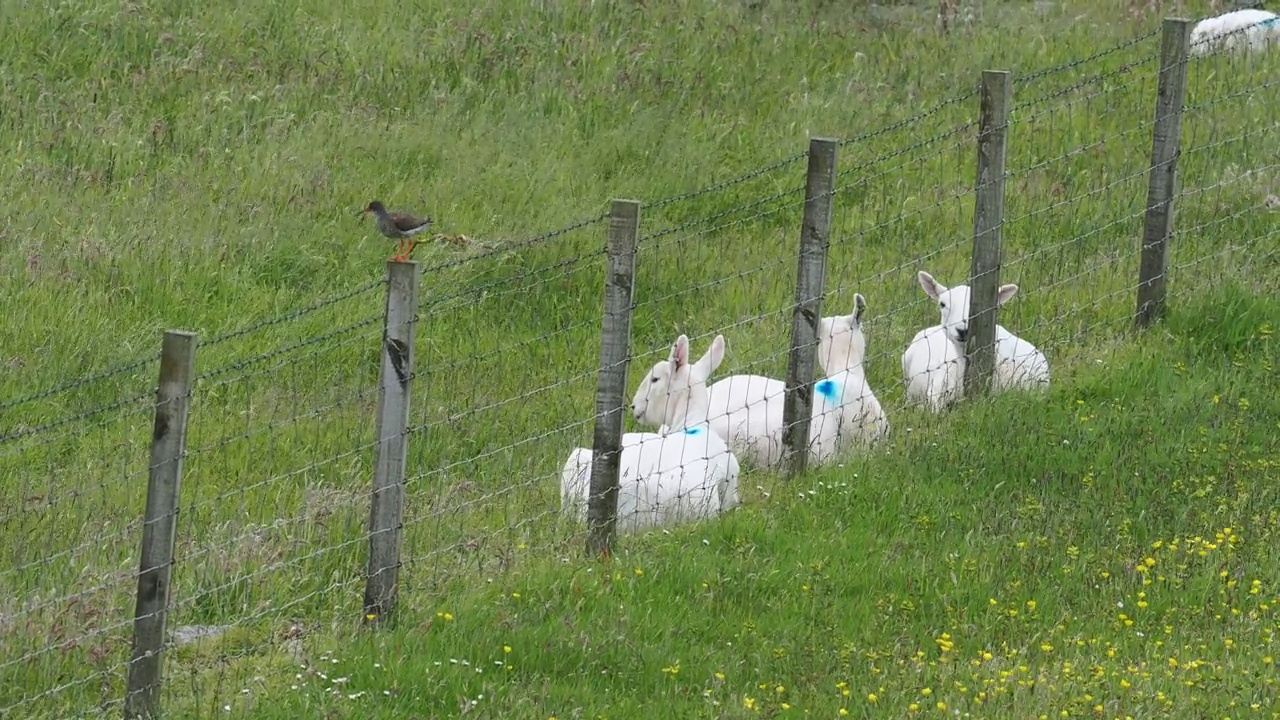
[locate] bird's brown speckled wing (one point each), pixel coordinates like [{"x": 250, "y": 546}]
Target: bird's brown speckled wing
[{"x": 405, "y": 222}]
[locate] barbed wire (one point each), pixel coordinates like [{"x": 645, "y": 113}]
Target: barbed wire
[
  {"x": 465, "y": 542},
  {"x": 519, "y": 245},
  {"x": 316, "y": 350},
  {"x": 1220, "y": 219},
  {"x": 442, "y": 368},
  {"x": 1231, "y": 96},
  {"x": 71, "y": 641},
  {"x": 1144, "y": 172},
  {"x": 73, "y": 428},
  {"x": 1209, "y": 256},
  {"x": 473, "y": 290},
  {"x": 287, "y": 349},
  {"x": 295, "y": 314},
  {"x": 98, "y": 676},
  {"x": 309, "y": 467},
  {"x": 92, "y": 412},
  {"x": 463, "y": 414},
  {"x": 81, "y": 382},
  {"x": 671, "y": 230},
  {"x": 274, "y": 425},
  {"x": 902, "y": 151},
  {"x": 1015, "y": 113},
  {"x": 267, "y": 569},
  {"x": 693, "y": 289},
  {"x": 504, "y": 473},
  {"x": 714, "y": 187},
  {"x": 122, "y": 534},
  {"x": 972, "y": 92},
  {"x": 1086, "y": 60}
]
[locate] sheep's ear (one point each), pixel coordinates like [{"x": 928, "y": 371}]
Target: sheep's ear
[
  {"x": 930, "y": 286},
  {"x": 1005, "y": 293},
  {"x": 708, "y": 363},
  {"x": 679, "y": 353},
  {"x": 859, "y": 306}
]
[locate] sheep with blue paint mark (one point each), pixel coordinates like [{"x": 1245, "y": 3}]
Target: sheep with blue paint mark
[
  {"x": 1238, "y": 30},
  {"x": 934, "y": 362},
  {"x": 683, "y": 473},
  {"x": 747, "y": 410}
]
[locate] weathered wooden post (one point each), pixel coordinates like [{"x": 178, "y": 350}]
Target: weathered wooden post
[
  {"x": 386, "y": 509},
  {"x": 1162, "y": 181},
  {"x": 611, "y": 383},
  {"x": 159, "y": 526},
  {"x": 988, "y": 219},
  {"x": 811, "y": 277}
]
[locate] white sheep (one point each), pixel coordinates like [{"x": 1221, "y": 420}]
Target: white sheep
[
  {"x": 747, "y": 410},
  {"x": 682, "y": 474},
  {"x": 1247, "y": 29},
  {"x": 934, "y": 363}
]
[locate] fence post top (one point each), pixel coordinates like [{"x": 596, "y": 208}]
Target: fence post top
[{"x": 185, "y": 334}]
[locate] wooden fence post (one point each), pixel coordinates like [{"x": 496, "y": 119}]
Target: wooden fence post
[
  {"x": 811, "y": 276},
  {"x": 159, "y": 525},
  {"x": 386, "y": 510},
  {"x": 1166, "y": 138},
  {"x": 988, "y": 218},
  {"x": 611, "y": 383}
]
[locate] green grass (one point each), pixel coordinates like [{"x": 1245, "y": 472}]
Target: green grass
[{"x": 190, "y": 165}]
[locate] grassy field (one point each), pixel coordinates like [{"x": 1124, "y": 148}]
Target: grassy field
[{"x": 1108, "y": 550}]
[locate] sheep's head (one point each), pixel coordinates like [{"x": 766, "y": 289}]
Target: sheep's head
[
  {"x": 841, "y": 344},
  {"x": 672, "y": 385},
  {"x": 953, "y": 304}
]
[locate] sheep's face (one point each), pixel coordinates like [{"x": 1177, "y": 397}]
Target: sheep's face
[
  {"x": 841, "y": 344},
  {"x": 649, "y": 405},
  {"x": 953, "y": 305},
  {"x": 663, "y": 397}
]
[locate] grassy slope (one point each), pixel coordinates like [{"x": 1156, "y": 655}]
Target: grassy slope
[
  {"x": 196, "y": 165},
  {"x": 1115, "y": 556}
]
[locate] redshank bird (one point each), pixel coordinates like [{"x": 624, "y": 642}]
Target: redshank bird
[{"x": 398, "y": 226}]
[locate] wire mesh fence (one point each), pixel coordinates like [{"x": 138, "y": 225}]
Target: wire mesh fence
[{"x": 284, "y": 445}]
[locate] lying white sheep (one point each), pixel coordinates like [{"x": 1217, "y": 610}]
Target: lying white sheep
[
  {"x": 1247, "y": 29},
  {"x": 747, "y": 410},
  {"x": 933, "y": 364},
  {"x": 683, "y": 474}
]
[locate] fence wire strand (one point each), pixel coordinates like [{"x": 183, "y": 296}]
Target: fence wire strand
[{"x": 274, "y": 521}]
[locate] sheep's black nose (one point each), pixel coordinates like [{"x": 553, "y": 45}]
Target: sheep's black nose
[{"x": 962, "y": 334}]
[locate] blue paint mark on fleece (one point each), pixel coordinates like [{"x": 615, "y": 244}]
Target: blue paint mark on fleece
[
  {"x": 827, "y": 389},
  {"x": 1270, "y": 22},
  {"x": 693, "y": 431}
]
